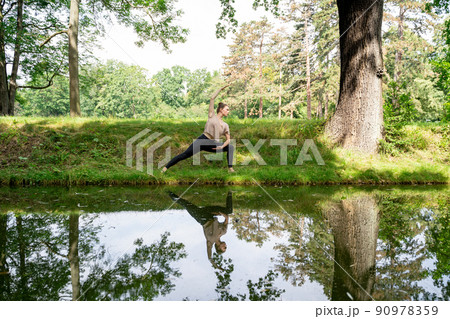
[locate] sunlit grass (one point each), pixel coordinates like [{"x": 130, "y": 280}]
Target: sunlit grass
[{"x": 80, "y": 151}]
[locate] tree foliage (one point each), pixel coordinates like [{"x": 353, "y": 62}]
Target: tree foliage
[{"x": 268, "y": 66}]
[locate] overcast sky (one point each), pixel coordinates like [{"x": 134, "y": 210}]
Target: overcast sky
[{"x": 201, "y": 50}]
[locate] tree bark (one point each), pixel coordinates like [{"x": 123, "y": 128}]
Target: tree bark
[
  {"x": 358, "y": 121},
  {"x": 319, "y": 109},
  {"x": 245, "y": 108},
  {"x": 4, "y": 93},
  {"x": 399, "y": 51},
  {"x": 15, "y": 66},
  {"x": 355, "y": 225},
  {"x": 308, "y": 71},
  {"x": 73, "y": 255},
  {"x": 75, "y": 108},
  {"x": 326, "y": 105},
  {"x": 260, "y": 77},
  {"x": 245, "y": 102},
  {"x": 279, "y": 98}
]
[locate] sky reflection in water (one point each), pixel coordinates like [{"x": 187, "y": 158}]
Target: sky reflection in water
[{"x": 129, "y": 243}]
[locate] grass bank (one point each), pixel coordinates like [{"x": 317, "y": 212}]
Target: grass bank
[{"x": 92, "y": 151}]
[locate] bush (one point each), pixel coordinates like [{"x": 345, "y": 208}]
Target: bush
[{"x": 398, "y": 111}]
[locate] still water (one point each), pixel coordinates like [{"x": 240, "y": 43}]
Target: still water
[{"x": 225, "y": 243}]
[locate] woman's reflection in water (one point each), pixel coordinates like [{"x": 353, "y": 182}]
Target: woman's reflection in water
[{"x": 207, "y": 216}]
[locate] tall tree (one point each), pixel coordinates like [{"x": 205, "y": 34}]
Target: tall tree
[
  {"x": 197, "y": 85},
  {"x": 441, "y": 67},
  {"x": 308, "y": 64},
  {"x": 4, "y": 96},
  {"x": 408, "y": 22},
  {"x": 237, "y": 67},
  {"x": 17, "y": 49},
  {"x": 441, "y": 64},
  {"x": 358, "y": 120},
  {"x": 22, "y": 26},
  {"x": 74, "y": 83},
  {"x": 279, "y": 55},
  {"x": 248, "y": 61},
  {"x": 152, "y": 20},
  {"x": 119, "y": 90},
  {"x": 262, "y": 29},
  {"x": 173, "y": 84},
  {"x": 326, "y": 41}
]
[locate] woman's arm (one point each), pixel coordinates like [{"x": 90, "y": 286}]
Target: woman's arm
[
  {"x": 209, "y": 249},
  {"x": 230, "y": 202},
  {"x": 211, "y": 102},
  {"x": 224, "y": 144}
]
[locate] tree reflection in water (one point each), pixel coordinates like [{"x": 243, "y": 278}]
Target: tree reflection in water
[
  {"x": 28, "y": 270},
  {"x": 438, "y": 235},
  {"x": 262, "y": 290},
  {"x": 354, "y": 223},
  {"x": 41, "y": 256},
  {"x": 143, "y": 275},
  {"x": 356, "y": 244},
  {"x": 372, "y": 245}
]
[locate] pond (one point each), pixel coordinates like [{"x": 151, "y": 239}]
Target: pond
[{"x": 225, "y": 243}]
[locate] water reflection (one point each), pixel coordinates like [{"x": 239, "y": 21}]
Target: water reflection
[
  {"x": 335, "y": 244},
  {"x": 144, "y": 275},
  {"x": 355, "y": 224},
  {"x": 41, "y": 261},
  {"x": 207, "y": 216}
]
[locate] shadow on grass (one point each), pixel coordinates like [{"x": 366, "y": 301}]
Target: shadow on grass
[{"x": 98, "y": 146}]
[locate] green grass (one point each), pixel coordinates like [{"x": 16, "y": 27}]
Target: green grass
[{"x": 92, "y": 151}]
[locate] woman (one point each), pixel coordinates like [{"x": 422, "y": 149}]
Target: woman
[
  {"x": 207, "y": 217},
  {"x": 209, "y": 141}
]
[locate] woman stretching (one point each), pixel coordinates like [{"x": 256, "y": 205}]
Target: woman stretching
[{"x": 209, "y": 141}]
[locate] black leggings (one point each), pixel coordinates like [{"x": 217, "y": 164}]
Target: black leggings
[
  {"x": 205, "y": 213},
  {"x": 203, "y": 143}
]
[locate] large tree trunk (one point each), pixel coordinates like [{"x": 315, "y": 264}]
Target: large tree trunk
[
  {"x": 73, "y": 255},
  {"x": 15, "y": 66},
  {"x": 4, "y": 95},
  {"x": 358, "y": 121},
  {"x": 75, "y": 109},
  {"x": 355, "y": 224}
]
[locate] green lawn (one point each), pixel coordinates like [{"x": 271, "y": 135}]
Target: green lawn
[{"x": 82, "y": 151}]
